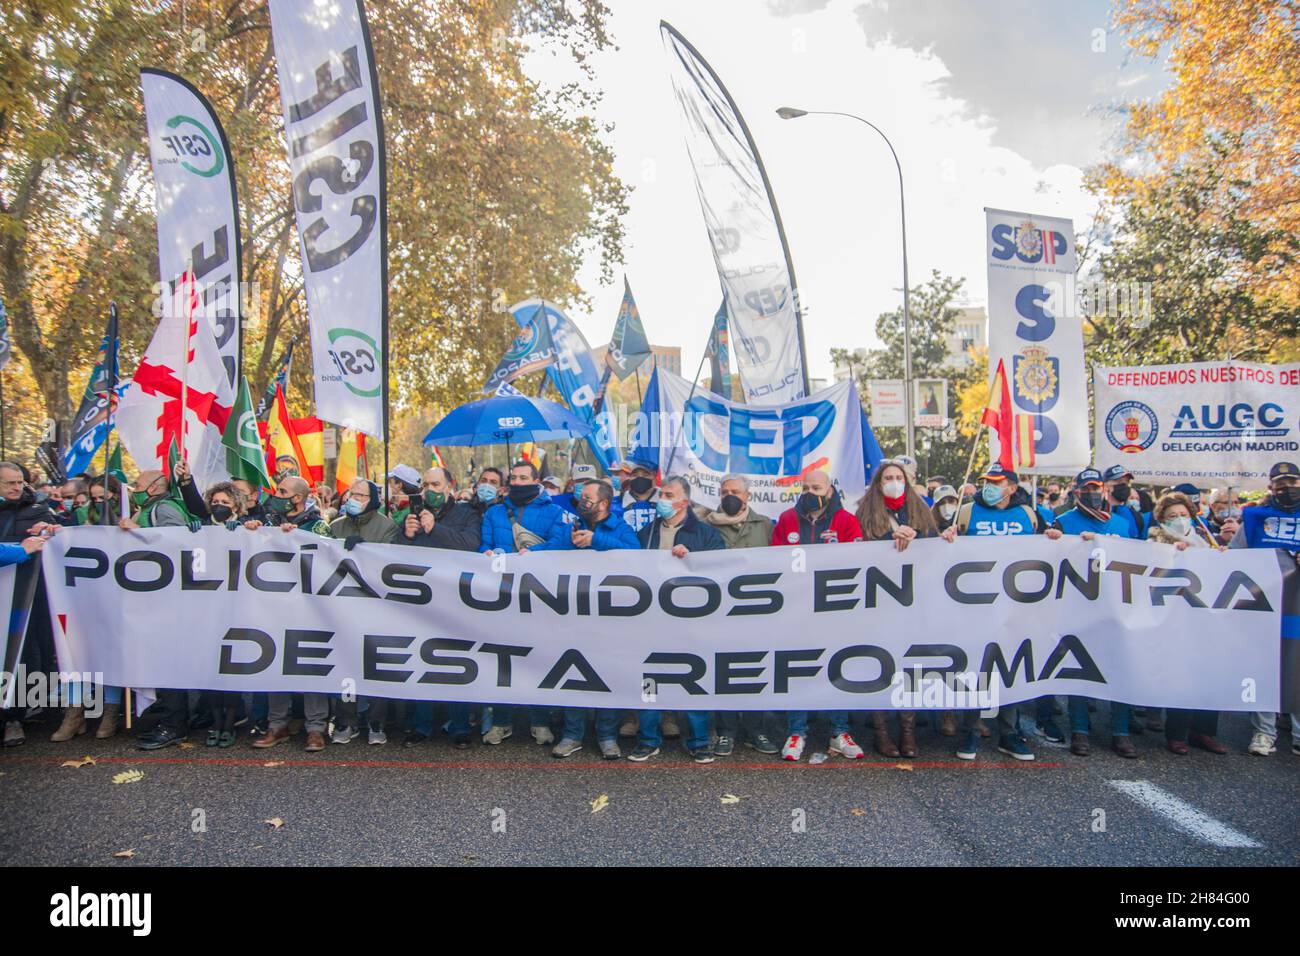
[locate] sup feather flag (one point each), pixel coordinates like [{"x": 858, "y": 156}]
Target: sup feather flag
[{"x": 1015, "y": 433}]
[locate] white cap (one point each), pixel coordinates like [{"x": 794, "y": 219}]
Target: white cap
[
  {"x": 405, "y": 473},
  {"x": 583, "y": 472}
]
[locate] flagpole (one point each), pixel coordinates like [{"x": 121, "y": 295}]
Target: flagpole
[
  {"x": 970, "y": 463},
  {"x": 694, "y": 385},
  {"x": 186, "y": 281}
]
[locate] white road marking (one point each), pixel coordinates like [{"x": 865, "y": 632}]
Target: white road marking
[{"x": 1183, "y": 815}]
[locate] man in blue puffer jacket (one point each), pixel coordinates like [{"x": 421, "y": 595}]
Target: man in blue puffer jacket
[
  {"x": 542, "y": 526},
  {"x": 542, "y": 522}
]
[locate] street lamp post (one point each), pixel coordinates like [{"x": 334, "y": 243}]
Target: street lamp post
[{"x": 789, "y": 112}]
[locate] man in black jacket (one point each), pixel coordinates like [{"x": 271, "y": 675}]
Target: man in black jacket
[
  {"x": 441, "y": 522},
  {"x": 20, "y": 512}
]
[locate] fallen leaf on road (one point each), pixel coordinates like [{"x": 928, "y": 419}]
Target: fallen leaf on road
[
  {"x": 730, "y": 798},
  {"x": 129, "y": 776},
  {"x": 858, "y": 812},
  {"x": 186, "y": 745},
  {"x": 903, "y": 766},
  {"x": 83, "y": 762},
  {"x": 124, "y": 854},
  {"x": 274, "y": 823},
  {"x": 274, "y": 763},
  {"x": 600, "y": 803}
]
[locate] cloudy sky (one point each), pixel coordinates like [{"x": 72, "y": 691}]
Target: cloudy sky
[{"x": 988, "y": 104}]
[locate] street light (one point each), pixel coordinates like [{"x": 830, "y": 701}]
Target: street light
[{"x": 789, "y": 112}]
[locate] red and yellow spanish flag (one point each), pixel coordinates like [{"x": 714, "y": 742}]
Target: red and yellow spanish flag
[
  {"x": 528, "y": 451},
  {"x": 1015, "y": 432},
  {"x": 300, "y": 438},
  {"x": 352, "y": 460}
]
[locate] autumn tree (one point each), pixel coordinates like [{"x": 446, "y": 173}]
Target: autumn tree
[{"x": 497, "y": 187}]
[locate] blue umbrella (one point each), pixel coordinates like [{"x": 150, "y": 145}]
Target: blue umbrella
[{"x": 503, "y": 419}]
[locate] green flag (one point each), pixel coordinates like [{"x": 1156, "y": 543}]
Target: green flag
[
  {"x": 244, "y": 456},
  {"x": 114, "y": 466}
]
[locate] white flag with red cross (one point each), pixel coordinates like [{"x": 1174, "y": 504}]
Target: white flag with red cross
[{"x": 182, "y": 363}]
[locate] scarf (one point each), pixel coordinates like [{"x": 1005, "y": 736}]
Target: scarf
[{"x": 722, "y": 519}]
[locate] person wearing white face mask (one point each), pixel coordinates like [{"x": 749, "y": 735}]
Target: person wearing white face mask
[
  {"x": 945, "y": 507},
  {"x": 1173, "y": 522}
]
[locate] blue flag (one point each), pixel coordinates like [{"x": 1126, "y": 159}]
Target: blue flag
[
  {"x": 93, "y": 422},
  {"x": 531, "y": 349},
  {"x": 628, "y": 346}
]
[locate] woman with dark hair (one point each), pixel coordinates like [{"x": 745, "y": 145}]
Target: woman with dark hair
[{"x": 892, "y": 510}]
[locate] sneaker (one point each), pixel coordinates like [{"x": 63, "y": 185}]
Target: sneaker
[
  {"x": 377, "y": 735},
  {"x": 969, "y": 748},
  {"x": 497, "y": 734},
  {"x": 763, "y": 744},
  {"x": 793, "y": 748},
  {"x": 669, "y": 726},
  {"x": 412, "y": 738},
  {"x": 566, "y": 748},
  {"x": 1050, "y": 732},
  {"x": 702, "y": 755},
  {"x": 543, "y": 736},
  {"x": 843, "y": 745},
  {"x": 1261, "y": 745},
  {"x": 1295, "y": 746},
  {"x": 14, "y": 733},
  {"x": 1015, "y": 747},
  {"x": 724, "y": 746},
  {"x": 609, "y": 750},
  {"x": 344, "y": 735},
  {"x": 643, "y": 753},
  {"x": 259, "y": 728}
]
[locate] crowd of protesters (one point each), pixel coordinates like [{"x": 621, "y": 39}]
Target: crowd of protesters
[{"x": 523, "y": 510}]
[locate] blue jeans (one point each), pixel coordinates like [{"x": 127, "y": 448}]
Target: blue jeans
[
  {"x": 503, "y": 716},
  {"x": 420, "y": 718},
  {"x": 1078, "y": 710},
  {"x": 697, "y": 729},
  {"x": 797, "y": 721},
  {"x": 78, "y": 692},
  {"x": 575, "y": 724}
]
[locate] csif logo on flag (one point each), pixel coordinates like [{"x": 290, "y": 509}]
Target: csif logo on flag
[
  {"x": 355, "y": 355},
  {"x": 193, "y": 145}
]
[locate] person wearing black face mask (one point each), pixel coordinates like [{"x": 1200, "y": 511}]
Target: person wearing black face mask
[
  {"x": 1273, "y": 523},
  {"x": 526, "y": 521},
  {"x": 1119, "y": 488},
  {"x": 741, "y": 527},
  {"x": 1093, "y": 516},
  {"x": 639, "y": 487}
]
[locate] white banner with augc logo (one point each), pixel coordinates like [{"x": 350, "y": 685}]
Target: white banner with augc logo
[
  {"x": 854, "y": 626},
  {"x": 1203, "y": 422}
]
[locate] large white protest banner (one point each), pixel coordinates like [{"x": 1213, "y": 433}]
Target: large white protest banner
[
  {"x": 848, "y": 627},
  {"x": 1036, "y": 329},
  {"x": 1203, "y": 422},
  {"x": 335, "y": 136},
  {"x": 704, "y": 437}
]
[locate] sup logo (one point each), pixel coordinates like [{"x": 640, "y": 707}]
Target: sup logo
[
  {"x": 354, "y": 354},
  {"x": 1132, "y": 427},
  {"x": 191, "y": 140},
  {"x": 1027, "y": 243}
]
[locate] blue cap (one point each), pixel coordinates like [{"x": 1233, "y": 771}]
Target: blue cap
[
  {"x": 996, "y": 472},
  {"x": 1116, "y": 472},
  {"x": 1189, "y": 489},
  {"x": 1087, "y": 476},
  {"x": 1283, "y": 469}
]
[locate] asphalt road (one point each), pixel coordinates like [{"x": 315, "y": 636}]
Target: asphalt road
[{"x": 515, "y": 805}]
